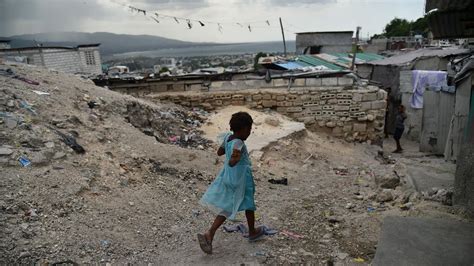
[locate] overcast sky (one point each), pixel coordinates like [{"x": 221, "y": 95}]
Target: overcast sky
[{"x": 34, "y": 16}]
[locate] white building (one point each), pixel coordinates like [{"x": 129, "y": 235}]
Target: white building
[
  {"x": 117, "y": 70},
  {"x": 4, "y": 44},
  {"x": 80, "y": 59}
]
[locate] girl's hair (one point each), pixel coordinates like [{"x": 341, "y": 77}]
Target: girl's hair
[{"x": 240, "y": 120}]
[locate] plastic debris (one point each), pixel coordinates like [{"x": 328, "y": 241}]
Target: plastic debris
[
  {"x": 371, "y": 209},
  {"x": 27, "y": 106},
  {"x": 360, "y": 260},
  {"x": 281, "y": 181},
  {"x": 41, "y": 92},
  {"x": 24, "y": 161},
  {"x": 291, "y": 234}
]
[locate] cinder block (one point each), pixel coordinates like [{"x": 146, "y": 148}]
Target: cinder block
[
  {"x": 357, "y": 97},
  {"x": 269, "y": 103},
  {"x": 299, "y": 82},
  {"x": 365, "y": 106},
  {"x": 329, "y": 82},
  {"x": 316, "y": 82},
  {"x": 280, "y": 98},
  {"x": 332, "y": 101},
  {"x": 344, "y": 81},
  {"x": 341, "y": 108},
  {"x": 280, "y": 82},
  {"x": 267, "y": 96},
  {"x": 369, "y": 97},
  {"x": 294, "y": 109},
  {"x": 257, "y": 97},
  {"x": 344, "y": 102},
  {"x": 379, "y": 105},
  {"x": 381, "y": 95},
  {"x": 360, "y": 127}
]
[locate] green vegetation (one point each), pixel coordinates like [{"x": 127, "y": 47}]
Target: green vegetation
[{"x": 403, "y": 27}]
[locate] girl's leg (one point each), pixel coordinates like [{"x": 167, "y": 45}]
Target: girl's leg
[
  {"x": 215, "y": 225},
  {"x": 251, "y": 222}
]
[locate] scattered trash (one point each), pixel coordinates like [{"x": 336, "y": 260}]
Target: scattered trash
[
  {"x": 241, "y": 228},
  {"x": 174, "y": 138},
  {"x": 371, "y": 209},
  {"x": 282, "y": 181},
  {"x": 309, "y": 157},
  {"x": 41, "y": 92},
  {"x": 27, "y": 106},
  {"x": 104, "y": 243},
  {"x": 24, "y": 161},
  {"x": 260, "y": 254},
  {"x": 70, "y": 141},
  {"x": 196, "y": 213},
  {"x": 92, "y": 104},
  {"x": 360, "y": 260},
  {"x": 341, "y": 170},
  {"x": 291, "y": 234},
  {"x": 11, "y": 74}
]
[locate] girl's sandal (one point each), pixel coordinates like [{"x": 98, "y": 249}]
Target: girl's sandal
[
  {"x": 204, "y": 244},
  {"x": 258, "y": 236}
]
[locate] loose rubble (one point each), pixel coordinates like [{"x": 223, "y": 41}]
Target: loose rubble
[{"x": 130, "y": 195}]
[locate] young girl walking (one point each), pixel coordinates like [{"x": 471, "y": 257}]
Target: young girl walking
[{"x": 233, "y": 190}]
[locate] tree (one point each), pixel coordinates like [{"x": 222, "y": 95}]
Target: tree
[
  {"x": 164, "y": 69},
  {"x": 255, "y": 61},
  {"x": 397, "y": 27}
]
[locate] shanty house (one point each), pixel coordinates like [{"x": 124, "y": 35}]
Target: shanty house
[
  {"x": 80, "y": 59},
  {"x": 324, "y": 42}
]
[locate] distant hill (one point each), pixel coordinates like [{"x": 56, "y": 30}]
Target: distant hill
[{"x": 110, "y": 43}]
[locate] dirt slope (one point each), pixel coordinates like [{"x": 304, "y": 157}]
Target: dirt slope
[{"x": 132, "y": 197}]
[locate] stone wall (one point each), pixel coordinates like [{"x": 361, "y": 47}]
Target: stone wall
[{"x": 352, "y": 114}]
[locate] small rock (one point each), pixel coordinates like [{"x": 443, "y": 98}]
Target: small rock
[
  {"x": 24, "y": 254},
  {"x": 387, "y": 181},
  {"x": 131, "y": 203},
  {"x": 359, "y": 197},
  {"x": 10, "y": 103},
  {"x": 334, "y": 219},
  {"x": 342, "y": 255},
  {"x": 49, "y": 145},
  {"x": 370, "y": 117},
  {"x": 350, "y": 205},
  {"x": 385, "y": 195},
  {"x": 59, "y": 155},
  {"x": 272, "y": 121},
  {"x": 406, "y": 206},
  {"x": 330, "y": 124},
  {"x": 5, "y": 151}
]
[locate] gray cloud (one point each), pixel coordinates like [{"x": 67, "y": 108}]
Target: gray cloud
[
  {"x": 299, "y": 2},
  {"x": 170, "y": 4}
]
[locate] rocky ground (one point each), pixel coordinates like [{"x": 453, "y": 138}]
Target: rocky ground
[{"x": 130, "y": 195}]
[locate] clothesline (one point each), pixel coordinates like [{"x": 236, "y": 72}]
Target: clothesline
[{"x": 157, "y": 16}]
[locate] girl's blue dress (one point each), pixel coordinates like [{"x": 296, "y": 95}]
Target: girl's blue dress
[{"x": 233, "y": 190}]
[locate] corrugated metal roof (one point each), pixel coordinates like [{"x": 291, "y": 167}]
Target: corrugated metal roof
[
  {"x": 452, "y": 24},
  {"x": 411, "y": 56},
  {"x": 313, "y": 61},
  {"x": 447, "y": 4},
  {"x": 290, "y": 65}
]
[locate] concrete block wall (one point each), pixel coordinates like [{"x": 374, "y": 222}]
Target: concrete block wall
[
  {"x": 280, "y": 83},
  {"x": 352, "y": 114}
]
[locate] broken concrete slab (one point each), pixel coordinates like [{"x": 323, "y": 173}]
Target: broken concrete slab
[
  {"x": 262, "y": 133},
  {"x": 423, "y": 179},
  {"x": 423, "y": 241}
]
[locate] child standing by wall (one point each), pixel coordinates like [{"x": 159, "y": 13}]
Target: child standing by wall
[
  {"x": 233, "y": 190},
  {"x": 399, "y": 127}
]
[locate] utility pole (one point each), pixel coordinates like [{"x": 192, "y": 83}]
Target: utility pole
[
  {"x": 283, "y": 34},
  {"x": 355, "y": 51}
]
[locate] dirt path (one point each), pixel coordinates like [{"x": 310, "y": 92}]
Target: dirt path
[{"x": 133, "y": 196}]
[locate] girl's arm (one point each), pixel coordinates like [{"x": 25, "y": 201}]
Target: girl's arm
[
  {"x": 235, "y": 157},
  {"x": 220, "y": 151},
  {"x": 236, "y": 152}
]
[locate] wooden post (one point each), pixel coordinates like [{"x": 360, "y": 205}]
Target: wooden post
[
  {"x": 283, "y": 34},
  {"x": 355, "y": 52}
]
